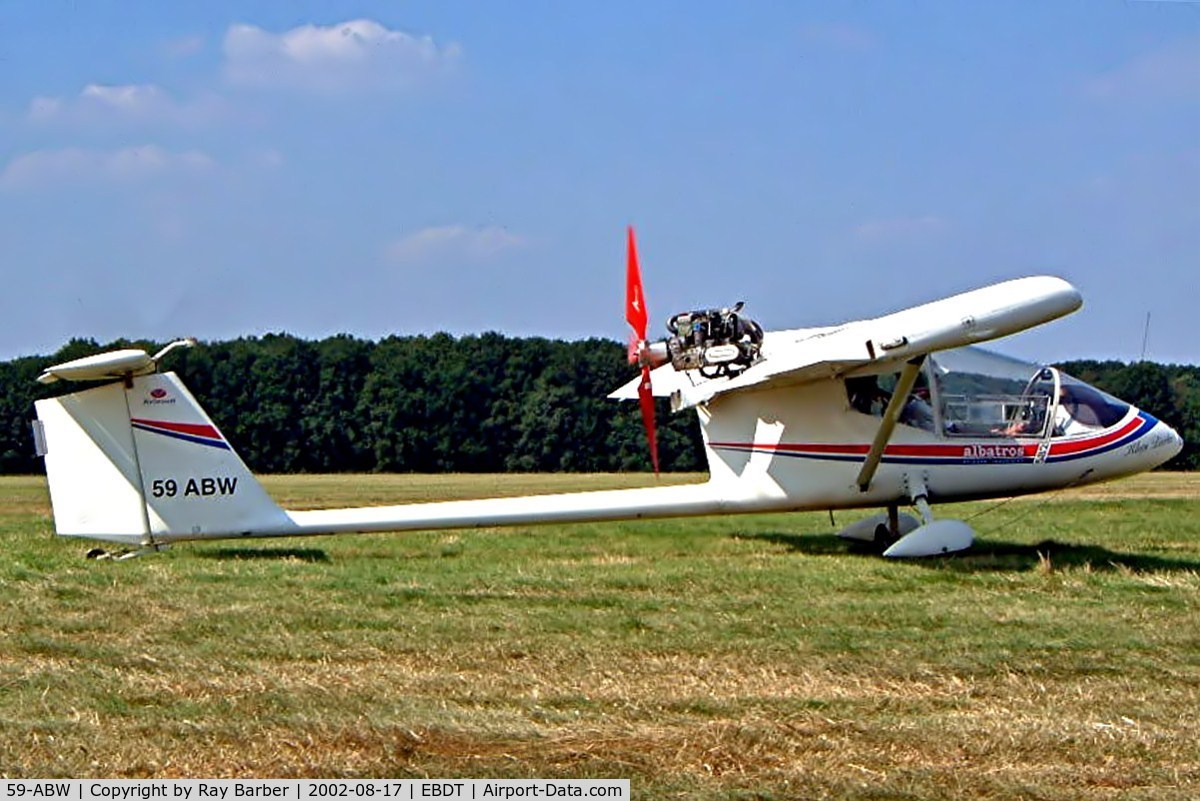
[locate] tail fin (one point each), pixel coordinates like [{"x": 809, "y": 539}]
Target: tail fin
[{"x": 139, "y": 462}]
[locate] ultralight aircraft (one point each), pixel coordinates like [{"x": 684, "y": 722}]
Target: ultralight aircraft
[{"x": 899, "y": 410}]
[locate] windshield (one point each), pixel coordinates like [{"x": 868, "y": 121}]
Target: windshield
[
  {"x": 985, "y": 394},
  {"x": 1082, "y": 408},
  {"x": 971, "y": 392}
]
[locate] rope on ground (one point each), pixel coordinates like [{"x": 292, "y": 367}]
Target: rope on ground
[{"x": 1033, "y": 507}]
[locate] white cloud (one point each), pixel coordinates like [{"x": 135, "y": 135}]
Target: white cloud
[
  {"x": 356, "y": 55},
  {"x": 73, "y": 165},
  {"x": 901, "y": 229},
  {"x": 126, "y": 104},
  {"x": 1172, "y": 71},
  {"x": 452, "y": 243}
]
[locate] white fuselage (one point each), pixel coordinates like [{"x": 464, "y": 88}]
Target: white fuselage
[{"x": 804, "y": 446}]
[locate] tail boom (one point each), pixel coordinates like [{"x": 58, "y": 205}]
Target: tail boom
[
  {"x": 139, "y": 462},
  {"x": 578, "y": 507}
]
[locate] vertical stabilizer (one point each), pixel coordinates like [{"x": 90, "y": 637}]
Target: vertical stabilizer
[
  {"x": 95, "y": 484},
  {"x": 140, "y": 462}
]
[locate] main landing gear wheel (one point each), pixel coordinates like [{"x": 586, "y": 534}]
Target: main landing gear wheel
[
  {"x": 879, "y": 532},
  {"x": 934, "y": 537}
]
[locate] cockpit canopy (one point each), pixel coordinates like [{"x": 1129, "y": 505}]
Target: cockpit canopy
[{"x": 971, "y": 392}]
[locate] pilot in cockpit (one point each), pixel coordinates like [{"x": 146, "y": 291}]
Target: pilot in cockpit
[
  {"x": 1073, "y": 415},
  {"x": 917, "y": 411}
]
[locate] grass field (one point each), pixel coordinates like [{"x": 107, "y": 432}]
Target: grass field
[{"x": 752, "y": 657}]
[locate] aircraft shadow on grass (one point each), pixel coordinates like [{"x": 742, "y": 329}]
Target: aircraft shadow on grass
[
  {"x": 298, "y": 554},
  {"x": 988, "y": 555}
]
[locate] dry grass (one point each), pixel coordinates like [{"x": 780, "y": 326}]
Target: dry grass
[{"x": 1141, "y": 487}]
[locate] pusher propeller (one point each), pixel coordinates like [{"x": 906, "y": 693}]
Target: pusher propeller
[{"x": 640, "y": 351}]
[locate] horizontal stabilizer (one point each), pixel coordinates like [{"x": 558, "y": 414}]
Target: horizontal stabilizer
[
  {"x": 101, "y": 367},
  {"x": 111, "y": 365}
]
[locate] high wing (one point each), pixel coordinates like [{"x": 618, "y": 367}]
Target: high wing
[{"x": 802, "y": 355}]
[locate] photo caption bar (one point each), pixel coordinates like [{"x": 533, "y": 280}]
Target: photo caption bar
[{"x": 306, "y": 789}]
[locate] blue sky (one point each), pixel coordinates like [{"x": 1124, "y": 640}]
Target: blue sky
[{"x": 224, "y": 169}]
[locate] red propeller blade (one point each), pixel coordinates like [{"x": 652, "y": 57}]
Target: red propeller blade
[
  {"x": 637, "y": 316},
  {"x": 646, "y": 401},
  {"x": 635, "y": 297}
]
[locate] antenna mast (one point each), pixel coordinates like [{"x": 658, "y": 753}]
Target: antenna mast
[{"x": 1145, "y": 337}]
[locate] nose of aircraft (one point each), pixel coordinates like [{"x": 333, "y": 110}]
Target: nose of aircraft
[
  {"x": 1151, "y": 448},
  {"x": 1178, "y": 446},
  {"x": 1168, "y": 442}
]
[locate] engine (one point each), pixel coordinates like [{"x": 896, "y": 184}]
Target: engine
[{"x": 717, "y": 342}]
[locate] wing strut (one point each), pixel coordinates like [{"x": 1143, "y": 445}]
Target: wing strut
[{"x": 904, "y": 385}]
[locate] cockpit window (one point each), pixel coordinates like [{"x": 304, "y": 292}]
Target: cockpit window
[
  {"x": 985, "y": 394},
  {"x": 1083, "y": 408},
  {"x": 867, "y": 396},
  {"x": 971, "y": 392},
  {"x": 870, "y": 394}
]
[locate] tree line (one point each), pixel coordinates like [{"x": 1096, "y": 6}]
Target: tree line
[
  {"x": 424, "y": 404},
  {"x": 480, "y": 403}
]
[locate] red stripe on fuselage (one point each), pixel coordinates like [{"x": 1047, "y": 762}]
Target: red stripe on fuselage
[
  {"x": 191, "y": 429},
  {"x": 1061, "y": 448},
  {"x": 945, "y": 451},
  {"x": 1029, "y": 449}
]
